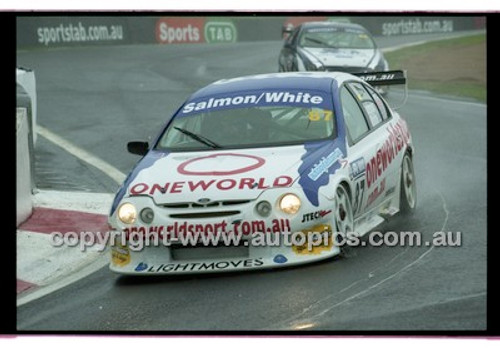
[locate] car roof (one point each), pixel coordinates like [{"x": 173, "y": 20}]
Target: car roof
[
  {"x": 333, "y": 24},
  {"x": 276, "y": 81}
]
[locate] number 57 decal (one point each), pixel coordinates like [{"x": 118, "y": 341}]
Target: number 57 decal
[{"x": 317, "y": 115}]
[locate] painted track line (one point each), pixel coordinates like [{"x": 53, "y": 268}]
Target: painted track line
[
  {"x": 449, "y": 100},
  {"x": 416, "y": 43},
  {"x": 297, "y": 319},
  {"x": 85, "y": 156},
  {"x": 100, "y": 261}
]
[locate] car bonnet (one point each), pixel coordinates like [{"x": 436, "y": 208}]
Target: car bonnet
[
  {"x": 340, "y": 56},
  {"x": 237, "y": 174}
]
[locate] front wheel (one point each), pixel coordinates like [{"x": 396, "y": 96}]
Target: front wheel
[
  {"x": 408, "y": 198},
  {"x": 344, "y": 217}
]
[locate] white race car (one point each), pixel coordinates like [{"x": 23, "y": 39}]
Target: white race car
[{"x": 264, "y": 171}]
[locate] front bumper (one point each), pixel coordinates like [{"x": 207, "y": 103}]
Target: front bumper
[{"x": 262, "y": 242}]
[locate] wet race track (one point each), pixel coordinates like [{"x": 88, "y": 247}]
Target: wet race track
[{"x": 99, "y": 98}]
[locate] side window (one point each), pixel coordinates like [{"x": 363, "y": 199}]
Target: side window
[
  {"x": 353, "y": 116},
  {"x": 368, "y": 103},
  {"x": 382, "y": 107}
]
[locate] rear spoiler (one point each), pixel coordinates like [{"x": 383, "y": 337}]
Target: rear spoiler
[{"x": 380, "y": 78}]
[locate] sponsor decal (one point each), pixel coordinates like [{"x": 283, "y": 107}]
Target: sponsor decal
[
  {"x": 183, "y": 228},
  {"x": 141, "y": 267},
  {"x": 398, "y": 138},
  {"x": 324, "y": 164},
  {"x": 170, "y": 30},
  {"x": 204, "y": 185},
  {"x": 318, "y": 163},
  {"x": 180, "y": 30},
  {"x": 322, "y": 231},
  {"x": 263, "y": 99},
  {"x": 220, "y": 32},
  {"x": 280, "y": 259},
  {"x": 335, "y": 29},
  {"x": 205, "y": 266},
  {"x": 79, "y": 33},
  {"x": 357, "y": 168},
  {"x": 416, "y": 26},
  {"x": 120, "y": 255},
  {"x": 209, "y": 162},
  {"x": 316, "y": 215},
  {"x": 376, "y": 193},
  {"x": 376, "y": 77}
]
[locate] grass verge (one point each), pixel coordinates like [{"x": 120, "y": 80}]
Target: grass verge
[{"x": 453, "y": 66}]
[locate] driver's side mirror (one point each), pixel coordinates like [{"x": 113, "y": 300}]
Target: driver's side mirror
[
  {"x": 286, "y": 30},
  {"x": 138, "y": 147}
]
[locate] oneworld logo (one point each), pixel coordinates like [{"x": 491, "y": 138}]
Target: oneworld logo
[{"x": 228, "y": 164}]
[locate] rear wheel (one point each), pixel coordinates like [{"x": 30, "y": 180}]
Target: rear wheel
[{"x": 408, "y": 198}]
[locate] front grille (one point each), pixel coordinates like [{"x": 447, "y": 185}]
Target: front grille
[
  {"x": 185, "y": 253},
  {"x": 204, "y": 215},
  {"x": 187, "y": 205}
]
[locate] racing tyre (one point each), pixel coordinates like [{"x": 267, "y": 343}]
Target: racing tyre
[
  {"x": 344, "y": 217},
  {"x": 344, "y": 220},
  {"x": 408, "y": 198}
]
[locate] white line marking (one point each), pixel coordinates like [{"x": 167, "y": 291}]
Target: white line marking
[
  {"x": 101, "y": 261},
  {"x": 398, "y": 47},
  {"x": 292, "y": 321},
  {"x": 85, "y": 156},
  {"x": 444, "y": 98},
  {"x": 447, "y": 213},
  {"x": 416, "y": 43}
]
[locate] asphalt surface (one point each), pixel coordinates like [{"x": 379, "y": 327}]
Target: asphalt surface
[{"x": 102, "y": 97}]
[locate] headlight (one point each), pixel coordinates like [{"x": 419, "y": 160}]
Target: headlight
[
  {"x": 289, "y": 203},
  {"x": 127, "y": 213},
  {"x": 263, "y": 208}
]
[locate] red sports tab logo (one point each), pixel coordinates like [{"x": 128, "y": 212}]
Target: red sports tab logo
[{"x": 170, "y": 30}]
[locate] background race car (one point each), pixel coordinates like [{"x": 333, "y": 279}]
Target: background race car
[{"x": 330, "y": 46}]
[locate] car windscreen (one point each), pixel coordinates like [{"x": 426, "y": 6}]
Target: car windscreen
[
  {"x": 335, "y": 38},
  {"x": 250, "y": 120}
]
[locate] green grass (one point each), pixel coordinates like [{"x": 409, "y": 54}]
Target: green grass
[{"x": 397, "y": 59}]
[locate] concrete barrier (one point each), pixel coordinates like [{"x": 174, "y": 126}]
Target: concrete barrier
[
  {"x": 23, "y": 177},
  {"x": 26, "y": 138}
]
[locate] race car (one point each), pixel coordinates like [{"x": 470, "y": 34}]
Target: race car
[
  {"x": 331, "y": 46},
  {"x": 264, "y": 171}
]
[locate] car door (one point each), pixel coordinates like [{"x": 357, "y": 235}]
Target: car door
[{"x": 366, "y": 120}]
